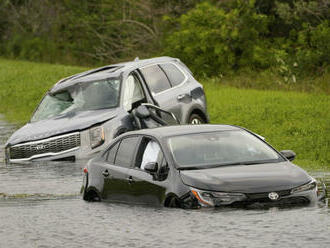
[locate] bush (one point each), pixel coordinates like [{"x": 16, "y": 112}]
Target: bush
[
  {"x": 313, "y": 51},
  {"x": 214, "y": 41}
]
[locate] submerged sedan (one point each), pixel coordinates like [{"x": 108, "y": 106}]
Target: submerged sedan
[{"x": 196, "y": 166}]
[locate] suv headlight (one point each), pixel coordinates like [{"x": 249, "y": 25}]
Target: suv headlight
[
  {"x": 308, "y": 186},
  {"x": 212, "y": 198},
  {"x": 96, "y": 136}
]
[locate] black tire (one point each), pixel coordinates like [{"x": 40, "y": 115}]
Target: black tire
[
  {"x": 195, "y": 119},
  {"x": 173, "y": 202},
  {"x": 92, "y": 196}
]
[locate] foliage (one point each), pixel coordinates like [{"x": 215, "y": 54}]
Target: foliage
[
  {"x": 288, "y": 37},
  {"x": 212, "y": 41},
  {"x": 84, "y": 32},
  {"x": 291, "y": 36},
  {"x": 307, "y": 35}
]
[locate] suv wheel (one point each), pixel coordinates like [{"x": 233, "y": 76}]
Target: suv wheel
[{"x": 195, "y": 119}]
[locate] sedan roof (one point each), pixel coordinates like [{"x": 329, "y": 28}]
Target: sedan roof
[{"x": 169, "y": 131}]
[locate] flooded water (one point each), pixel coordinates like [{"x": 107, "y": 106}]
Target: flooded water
[{"x": 40, "y": 206}]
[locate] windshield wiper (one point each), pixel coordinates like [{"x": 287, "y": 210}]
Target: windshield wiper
[
  {"x": 226, "y": 164},
  {"x": 192, "y": 168}
]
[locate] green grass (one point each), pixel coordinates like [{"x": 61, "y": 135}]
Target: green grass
[
  {"x": 288, "y": 119},
  {"x": 270, "y": 79},
  {"x": 23, "y": 84}
]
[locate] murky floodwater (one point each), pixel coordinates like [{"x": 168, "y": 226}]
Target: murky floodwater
[{"x": 40, "y": 206}]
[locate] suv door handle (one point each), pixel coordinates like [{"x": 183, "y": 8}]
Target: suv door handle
[
  {"x": 130, "y": 179},
  {"x": 182, "y": 96},
  {"x": 105, "y": 173}
]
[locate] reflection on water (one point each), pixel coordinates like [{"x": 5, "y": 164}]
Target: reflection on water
[{"x": 40, "y": 206}]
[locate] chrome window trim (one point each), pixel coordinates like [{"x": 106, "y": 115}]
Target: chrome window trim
[
  {"x": 45, "y": 140},
  {"x": 179, "y": 85}
]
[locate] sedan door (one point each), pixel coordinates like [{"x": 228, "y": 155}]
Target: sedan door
[
  {"x": 118, "y": 160},
  {"x": 144, "y": 187}
]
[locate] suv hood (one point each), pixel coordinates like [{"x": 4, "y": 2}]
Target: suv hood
[
  {"x": 247, "y": 178},
  {"x": 72, "y": 121}
]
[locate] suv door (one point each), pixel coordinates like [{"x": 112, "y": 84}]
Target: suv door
[
  {"x": 168, "y": 84},
  {"x": 118, "y": 160},
  {"x": 160, "y": 88}
]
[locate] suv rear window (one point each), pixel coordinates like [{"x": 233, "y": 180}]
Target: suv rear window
[
  {"x": 175, "y": 76},
  {"x": 155, "y": 78}
]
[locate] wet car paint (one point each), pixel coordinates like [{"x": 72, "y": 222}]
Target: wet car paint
[{"x": 122, "y": 184}]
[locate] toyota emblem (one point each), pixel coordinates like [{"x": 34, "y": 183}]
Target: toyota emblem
[{"x": 273, "y": 196}]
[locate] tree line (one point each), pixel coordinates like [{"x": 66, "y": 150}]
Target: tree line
[{"x": 215, "y": 37}]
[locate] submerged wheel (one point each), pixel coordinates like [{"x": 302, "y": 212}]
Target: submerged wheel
[
  {"x": 173, "y": 202},
  {"x": 92, "y": 196},
  {"x": 195, "y": 119}
]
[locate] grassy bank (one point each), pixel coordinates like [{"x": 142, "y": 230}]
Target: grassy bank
[
  {"x": 23, "y": 84},
  {"x": 288, "y": 120},
  {"x": 271, "y": 79}
]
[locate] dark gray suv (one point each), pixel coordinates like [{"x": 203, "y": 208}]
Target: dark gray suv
[{"x": 81, "y": 114}]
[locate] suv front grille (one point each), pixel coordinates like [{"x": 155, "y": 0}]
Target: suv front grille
[{"x": 51, "y": 146}]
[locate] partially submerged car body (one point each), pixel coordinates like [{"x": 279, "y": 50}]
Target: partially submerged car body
[
  {"x": 81, "y": 114},
  {"x": 197, "y": 166}
]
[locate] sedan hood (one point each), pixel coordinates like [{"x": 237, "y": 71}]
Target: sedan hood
[
  {"x": 247, "y": 178},
  {"x": 72, "y": 121}
]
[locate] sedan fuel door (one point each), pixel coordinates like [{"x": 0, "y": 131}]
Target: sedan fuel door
[
  {"x": 148, "y": 185},
  {"x": 119, "y": 159}
]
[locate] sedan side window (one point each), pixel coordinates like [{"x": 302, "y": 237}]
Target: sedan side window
[
  {"x": 155, "y": 78},
  {"x": 126, "y": 151},
  {"x": 148, "y": 152},
  {"x": 112, "y": 153}
]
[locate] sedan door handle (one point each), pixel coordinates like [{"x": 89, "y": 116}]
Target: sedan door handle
[
  {"x": 130, "y": 179},
  {"x": 105, "y": 173}
]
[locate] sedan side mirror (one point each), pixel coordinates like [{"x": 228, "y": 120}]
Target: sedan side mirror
[
  {"x": 290, "y": 155},
  {"x": 152, "y": 167}
]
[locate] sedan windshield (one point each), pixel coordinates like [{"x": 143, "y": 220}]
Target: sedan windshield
[
  {"x": 206, "y": 150},
  {"x": 79, "y": 97}
]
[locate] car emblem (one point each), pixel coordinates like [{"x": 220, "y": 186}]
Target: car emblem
[
  {"x": 40, "y": 147},
  {"x": 273, "y": 196}
]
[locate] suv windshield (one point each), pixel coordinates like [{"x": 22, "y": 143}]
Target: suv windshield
[
  {"x": 79, "y": 97},
  {"x": 206, "y": 150}
]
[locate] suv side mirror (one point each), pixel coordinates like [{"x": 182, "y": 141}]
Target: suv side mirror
[
  {"x": 290, "y": 155},
  {"x": 151, "y": 167}
]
